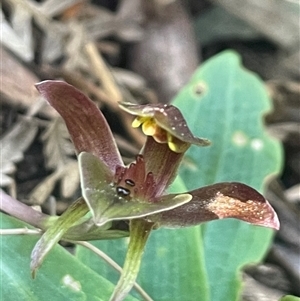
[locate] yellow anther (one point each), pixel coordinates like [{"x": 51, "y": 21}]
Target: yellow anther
[
  {"x": 138, "y": 121},
  {"x": 149, "y": 127},
  {"x": 160, "y": 135},
  {"x": 177, "y": 145}
]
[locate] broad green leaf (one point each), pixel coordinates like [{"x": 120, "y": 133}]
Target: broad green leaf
[
  {"x": 171, "y": 267},
  {"x": 116, "y": 249},
  {"x": 289, "y": 298},
  {"x": 226, "y": 104},
  {"x": 62, "y": 277},
  {"x": 229, "y": 245}
]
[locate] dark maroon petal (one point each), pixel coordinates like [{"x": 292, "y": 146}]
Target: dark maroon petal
[
  {"x": 222, "y": 200},
  {"x": 162, "y": 162},
  {"x": 86, "y": 124},
  {"x": 167, "y": 117}
]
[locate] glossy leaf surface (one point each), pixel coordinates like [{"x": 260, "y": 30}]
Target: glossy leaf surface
[
  {"x": 62, "y": 276},
  {"x": 229, "y": 104},
  {"x": 289, "y": 298}
]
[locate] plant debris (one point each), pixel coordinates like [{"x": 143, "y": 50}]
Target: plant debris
[{"x": 141, "y": 52}]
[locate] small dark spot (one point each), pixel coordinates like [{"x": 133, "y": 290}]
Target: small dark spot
[
  {"x": 199, "y": 89},
  {"x": 130, "y": 182},
  {"x": 122, "y": 191}
]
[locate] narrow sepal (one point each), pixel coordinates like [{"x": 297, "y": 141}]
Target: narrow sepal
[
  {"x": 107, "y": 204},
  {"x": 122, "y": 209},
  {"x": 74, "y": 212},
  {"x": 222, "y": 200},
  {"x": 86, "y": 124}
]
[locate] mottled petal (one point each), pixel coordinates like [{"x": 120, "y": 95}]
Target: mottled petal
[
  {"x": 168, "y": 118},
  {"x": 222, "y": 200},
  {"x": 86, "y": 124},
  {"x": 107, "y": 202}
]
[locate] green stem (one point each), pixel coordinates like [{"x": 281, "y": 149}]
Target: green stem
[{"x": 139, "y": 233}]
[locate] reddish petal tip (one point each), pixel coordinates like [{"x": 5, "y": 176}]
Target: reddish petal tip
[
  {"x": 272, "y": 221},
  {"x": 237, "y": 200},
  {"x": 222, "y": 200}
]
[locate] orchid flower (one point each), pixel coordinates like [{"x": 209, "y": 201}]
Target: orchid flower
[{"x": 136, "y": 193}]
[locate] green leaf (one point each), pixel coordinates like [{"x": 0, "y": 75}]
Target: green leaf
[
  {"x": 62, "y": 276},
  {"x": 171, "y": 267},
  {"x": 230, "y": 245},
  {"x": 289, "y": 298},
  {"x": 226, "y": 104}
]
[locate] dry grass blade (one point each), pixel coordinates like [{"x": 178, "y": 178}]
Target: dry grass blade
[
  {"x": 54, "y": 7},
  {"x": 68, "y": 174},
  {"x": 293, "y": 193},
  {"x": 19, "y": 88},
  {"x": 17, "y": 35},
  {"x": 54, "y": 31},
  {"x": 103, "y": 73},
  {"x": 13, "y": 145},
  {"x": 57, "y": 146},
  {"x": 279, "y": 22}
]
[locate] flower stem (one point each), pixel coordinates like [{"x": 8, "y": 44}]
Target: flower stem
[{"x": 139, "y": 233}]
